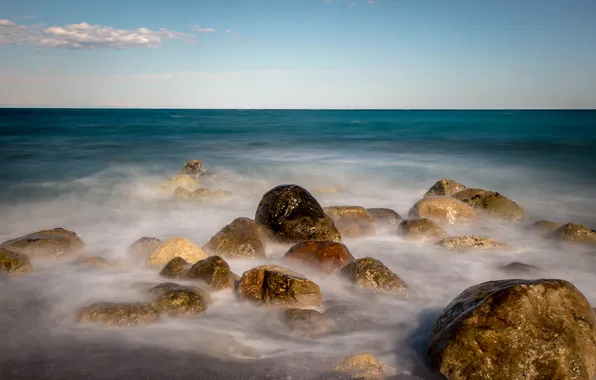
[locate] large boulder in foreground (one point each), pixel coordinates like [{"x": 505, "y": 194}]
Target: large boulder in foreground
[
  {"x": 13, "y": 262},
  {"x": 445, "y": 210},
  {"x": 242, "y": 238},
  {"x": 444, "y": 187},
  {"x": 494, "y": 203},
  {"x": 516, "y": 329},
  {"x": 352, "y": 221},
  {"x": 293, "y": 215},
  {"x": 372, "y": 275},
  {"x": 575, "y": 233},
  {"x": 176, "y": 247},
  {"x": 421, "y": 231},
  {"x": 275, "y": 286},
  {"x": 118, "y": 314},
  {"x": 47, "y": 244},
  {"x": 323, "y": 256}
]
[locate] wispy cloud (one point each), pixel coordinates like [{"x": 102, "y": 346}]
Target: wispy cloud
[{"x": 199, "y": 29}]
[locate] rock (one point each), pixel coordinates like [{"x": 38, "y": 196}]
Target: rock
[
  {"x": 327, "y": 190},
  {"x": 364, "y": 367},
  {"x": 492, "y": 202},
  {"x": 304, "y": 322},
  {"x": 371, "y": 274},
  {"x": 181, "y": 194},
  {"x": 175, "y": 268},
  {"x": 181, "y": 302},
  {"x": 184, "y": 181},
  {"x": 520, "y": 268},
  {"x": 144, "y": 247},
  {"x": 208, "y": 194},
  {"x": 13, "y": 262},
  {"x": 444, "y": 187},
  {"x": 323, "y": 256},
  {"x": 421, "y": 230},
  {"x": 176, "y": 247},
  {"x": 352, "y": 221},
  {"x": 443, "y": 210},
  {"x": 46, "y": 244},
  {"x": 543, "y": 227},
  {"x": 160, "y": 290},
  {"x": 471, "y": 242},
  {"x": 97, "y": 262},
  {"x": 118, "y": 314},
  {"x": 192, "y": 167},
  {"x": 242, "y": 238},
  {"x": 576, "y": 233},
  {"x": 385, "y": 216},
  {"x": 275, "y": 286},
  {"x": 293, "y": 215},
  {"x": 516, "y": 329},
  {"x": 214, "y": 272}
]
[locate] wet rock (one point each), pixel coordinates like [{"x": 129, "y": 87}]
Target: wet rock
[
  {"x": 144, "y": 247},
  {"x": 118, "y": 314},
  {"x": 214, "y": 272},
  {"x": 543, "y": 227},
  {"x": 204, "y": 194},
  {"x": 176, "y": 247},
  {"x": 385, "y": 216},
  {"x": 293, "y": 215},
  {"x": 371, "y": 274},
  {"x": 443, "y": 210},
  {"x": 352, "y": 221},
  {"x": 516, "y": 329},
  {"x": 182, "y": 302},
  {"x": 13, "y": 262},
  {"x": 193, "y": 168},
  {"x": 444, "y": 187},
  {"x": 97, "y": 262},
  {"x": 275, "y": 286},
  {"x": 520, "y": 268},
  {"x": 175, "y": 268},
  {"x": 421, "y": 230},
  {"x": 46, "y": 244},
  {"x": 242, "y": 238},
  {"x": 492, "y": 202},
  {"x": 304, "y": 322},
  {"x": 162, "y": 289},
  {"x": 364, "y": 367},
  {"x": 575, "y": 233},
  {"x": 470, "y": 242},
  {"x": 323, "y": 256},
  {"x": 184, "y": 181}
]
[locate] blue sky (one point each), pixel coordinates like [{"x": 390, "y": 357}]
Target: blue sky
[{"x": 299, "y": 53}]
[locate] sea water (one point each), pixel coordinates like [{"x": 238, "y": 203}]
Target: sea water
[{"x": 96, "y": 172}]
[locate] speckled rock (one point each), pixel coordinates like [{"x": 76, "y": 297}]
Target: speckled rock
[
  {"x": 574, "y": 233},
  {"x": 242, "y": 238},
  {"x": 385, "y": 216},
  {"x": 47, "y": 244},
  {"x": 118, "y": 314},
  {"x": 471, "y": 242},
  {"x": 322, "y": 256},
  {"x": 175, "y": 268},
  {"x": 181, "y": 303},
  {"x": 304, "y": 322},
  {"x": 444, "y": 187},
  {"x": 444, "y": 210},
  {"x": 13, "y": 262},
  {"x": 352, "y": 221},
  {"x": 364, "y": 367},
  {"x": 493, "y": 203},
  {"x": 372, "y": 275},
  {"x": 421, "y": 230},
  {"x": 176, "y": 247},
  {"x": 214, "y": 272}
]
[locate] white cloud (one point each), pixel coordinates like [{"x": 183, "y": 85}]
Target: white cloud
[
  {"x": 203, "y": 30},
  {"x": 228, "y": 31},
  {"x": 86, "y": 36}
]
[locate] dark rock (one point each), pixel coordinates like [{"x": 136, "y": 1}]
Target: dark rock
[
  {"x": 175, "y": 268},
  {"x": 492, "y": 202},
  {"x": 46, "y": 244},
  {"x": 118, "y": 314},
  {"x": 13, "y": 262},
  {"x": 444, "y": 187},
  {"x": 371, "y": 274},
  {"x": 214, "y": 272},
  {"x": 421, "y": 230},
  {"x": 242, "y": 238},
  {"x": 520, "y": 268},
  {"x": 323, "y": 256}
]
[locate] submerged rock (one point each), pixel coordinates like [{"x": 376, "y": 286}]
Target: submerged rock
[
  {"x": 371, "y": 274},
  {"x": 144, "y": 247},
  {"x": 304, "y": 322},
  {"x": 184, "y": 181},
  {"x": 444, "y": 187},
  {"x": 175, "y": 268},
  {"x": 516, "y": 329},
  {"x": 192, "y": 167},
  {"x": 182, "y": 194},
  {"x": 468, "y": 242},
  {"x": 492, "y": 202},
  {"x": 214, "y": 272},
  {"x": 293, "y": 215},
  {"x": 385, "y": 216},
  {"x": 181, "y": 302},
  {"x": 118, "y": 314},
  {"x": 176, "y": 247},
  {"x": 242, "y": 238},
  {"x": 275, "y": 286},
  {"x": 352, "y": 221},
  {"x": 575, "y": 233},
  {"x": 520, "y": 268},
  {"x": 421, "y": 230},
  {"x": 13, "y": 262},
  {"x": 97, "y": 262},
  {"x": 443, "y": 210},
  {"x": 364, "y": 367},
  {"x": 209, "y": 194},
  {"x": 543, "y": 227},
  {"x": 323, "y": 256},
  {"x": 46, "y": 244},
  {"x": 160, "y": 290}
]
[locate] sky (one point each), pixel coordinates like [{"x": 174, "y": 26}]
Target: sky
[{"x": 315, "y": 54}]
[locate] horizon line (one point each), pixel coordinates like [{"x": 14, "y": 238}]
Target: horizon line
[{"x": 289, "y": 109}]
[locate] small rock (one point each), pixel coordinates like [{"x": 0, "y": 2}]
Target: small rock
[
  {"x": 181, "y": 303},
  {"x": 364, "y": 367},
  {"x": 352, "y": 221},
  {"x": 192, "y": 167},
  {"x": 543, "y": 227},
  {"x": 385, "y": 216},
  {"x": 323, "y": 256},
  {"x": 444, "y": 187},
  {"x": 491, "y": 202},
  {"x": 304, "y": 322},
  {"x": 160, "y": 290},
  {"x": 46, "y": 244},
  {"x": 575, "y": 233},
  {"x": 176, "y": 247},
  {"x": 118, "y": 314},
  {"x": 471, "y": 242},
  {"x": 13, "y": 262},
  {"x": 443, "y": 210},
  {"x": 208, "y": 194},
  {"x": 144, "y": 247},
  {"x": 328, "y": 190},
  {"x": 214, "y": 272},
  {"x": 184, "y": 181},
  {"x": 242, "y": 238},
  {"x": 97, "y": 262},
  {"x": 520, "y": 268},
  {"x": 421, "y": 230},
  {"x": 371, "y": 274},
  {"x": 175, "y": 268}
]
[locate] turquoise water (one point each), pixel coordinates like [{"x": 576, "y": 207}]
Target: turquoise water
[{"x": 96, "y": 172}]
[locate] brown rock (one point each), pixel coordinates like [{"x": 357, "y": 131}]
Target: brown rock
[
  {"x": 275, "y": 286},
  {"x": 214, "y": 272},
  {"x": 304, "y": 322},
  {"x": 192, "y": 167},
  {"x": 443, "y": 210},
  {"x": 181, "y": 303},
  {"x": 182, "y": 194},
  {"x": 184, "y": 181},
  {"x": 520, "y": 268},
  {"x": 421, "y": 230},
  {"x": 371, "y": 274},
  {"x": 543, "y": 227},
  {"x": 144, "y": 247},
  {"x": 364, "y": 367},
  {"x": 575, "y": 233},
  {"x": 176, "y": 247},
  {"x": 385, "y": 216},
  {"x": 208, "y": 194},
  {"x": 242, "y": 238},
  {"x": 159, "y": 290},
  {"x": 13, "y": 262},
  {"x": 468, "y": 242},
  {"x": 46, "y": 244},
  {"x": 323, "y": 256},
  {"x": 97, "y": 262},
  {"x": 352, "y": 221},
  {"x": 444, "y": 187},
  {"x": 175, "y": 268},
  {"x": 516, "y": 329},
  {"x": 293, "y": 215},
  {"x": 492, "y": 202},
  {"x": 118, "y": 314}
]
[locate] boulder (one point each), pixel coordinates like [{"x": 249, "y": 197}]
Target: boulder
[
  {"x": 293, "y": 215},
  {"x": 352, "y": 221},
  {"x": 364, "y": 367},
  {"x": 13, "y": 262},
  {"x": 275, "y": 286},
  {"x": 184, "y": 181},
  {"x": 144, "y": 247},
  {"x": 471, "y": 242},
  {"x": 421, "y": 230},
  {"x": 385, "y": 216},
  {"x": 160, "y": 290},
  {"x": 444, "y": 187},
  {"x": 97, "y": 262},
  {"x": 181, "y": 302},
  {"x": 443, "y": 210},
  {"x": 491, "y": 202},
  {"x": 575, "y": 233},
  {"x": 242, "y": 238},
  {"x": 176, "y": 247},
  {"x": 304, "y": 322},
  {"x": 175, "y": 268},
  {"x": 204, "y": 194},
  {"x": 214, "y": 272},
  {"x": 46, "y": 244},
  {"x": 543, "y": 227},
  {"x": 372, "y": 275},
  {"x": 323, "y": 256},
  {"x": 118, "y": 314},
  {"x": 516, "y": 329}
]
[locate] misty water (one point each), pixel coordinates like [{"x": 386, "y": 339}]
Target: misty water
[{"x": 98, "y": 173}]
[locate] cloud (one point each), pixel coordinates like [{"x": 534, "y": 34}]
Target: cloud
[
  {"x": 203, "y": 30},
  {"x": 86, "y": 36},
  {"x": 228, "y": 31},
  {"x": 352, "y": 5}
]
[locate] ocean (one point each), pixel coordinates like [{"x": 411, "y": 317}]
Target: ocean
[{"x": 96, "y": 172}]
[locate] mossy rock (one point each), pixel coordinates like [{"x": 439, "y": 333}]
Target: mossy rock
[
  {"x": 214, "y": 272},
  {"x": 47, "y": 244},
  {"x": 181, "y": 303},
  {"x": 175, "y": 268},
  {"x": 13, "y": 262},
  {"x": 372, "y": 275},
  {"x": 159, "y": 290},
  {"x": 444, "y": 187}
]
